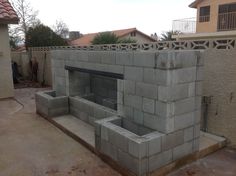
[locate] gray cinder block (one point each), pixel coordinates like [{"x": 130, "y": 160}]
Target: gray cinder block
[
  {"x": 137, "y": 148},
  {"x": 149, "y": 105},
  {"x": 149, "y": 75},
  {"x": 188, "y": 134},
  {"x": 129, "y": 87},
  {"x": 176, "y": 59},
  {"x": 147, "y": 90},
  {"x": 137, "y": 166},
  {"x": 108, "y": 57},
  {"x": 182, "y": 150},
  {"x": 109, "y": 149},
  {"x": 174, "y": 92},
  {"x": 184, "y": 120},
  {"x": 124, "y": 58},
  {"x": 138, "y": 116},
  {"x": 160, "y": 160},
  {"x": 172, "y": 140},
  {"x": 184, "y": 106},
  {"x": 134, "y": 73},
  {"x": 133, "y": 101},
  {"x": 185, "y": 75},
  {"x": 144, "y": 59}
]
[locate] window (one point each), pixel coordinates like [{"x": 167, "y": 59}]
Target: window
[
  {"x": 227, "y": 8},
  {"x": 227, "y": 17},
  {"x": 204, "y": 15},
  {"x": 133, "y": 34}
]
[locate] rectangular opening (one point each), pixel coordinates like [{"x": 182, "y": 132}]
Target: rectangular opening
[
  {"x": 132, "y": 127},
  {"x": 98, "y": 87}
]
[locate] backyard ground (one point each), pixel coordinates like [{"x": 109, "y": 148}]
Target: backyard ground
[{"x": 31, "y": 146}]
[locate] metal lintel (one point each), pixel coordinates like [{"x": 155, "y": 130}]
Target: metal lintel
[{"x": 102, "y": 73}]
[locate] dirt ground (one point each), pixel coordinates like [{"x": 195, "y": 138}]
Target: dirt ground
[
  {"x": 31, "y": 146},
  {"x": 220, "y": 163}
]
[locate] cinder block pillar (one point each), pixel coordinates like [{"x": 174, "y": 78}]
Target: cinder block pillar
[{"x": 160, "y": 90}]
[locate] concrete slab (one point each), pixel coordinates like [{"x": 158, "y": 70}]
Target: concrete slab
[
  {"x": 78, "y": 127},
  {"x": 207, "y": 140},
  {"x": 30, "y": 145},
  {"x": 9, "y": 106}
]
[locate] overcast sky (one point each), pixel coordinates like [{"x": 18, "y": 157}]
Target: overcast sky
[{"x": 89, "y": 16}]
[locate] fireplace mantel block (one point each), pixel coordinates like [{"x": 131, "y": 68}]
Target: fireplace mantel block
[{"x": 158, "y": 102}]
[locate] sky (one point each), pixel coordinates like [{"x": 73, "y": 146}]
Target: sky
[{"x": 88, "y": 16}]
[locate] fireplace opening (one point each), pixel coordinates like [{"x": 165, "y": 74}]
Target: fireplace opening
[{"x": 98, "y": 87}]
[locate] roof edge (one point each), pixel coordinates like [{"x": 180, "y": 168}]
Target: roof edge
[
  {"x": 195, "y": 3},
  {"x": 9, "y": 21}
]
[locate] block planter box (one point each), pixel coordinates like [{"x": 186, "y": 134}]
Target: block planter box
[
  {"x": 139, "y": 149},
  {"x": 127, "y": 143},
  {"x": 48, "y": 104}
]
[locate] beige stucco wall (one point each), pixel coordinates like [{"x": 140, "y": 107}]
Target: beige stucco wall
[
  {"x": 220, "y": 85},
  {"x": 6, "y": 82},
  {"x": 22, "y": 60},
  {"x": 44, "y": 65},
  {"x": 210, "y": 26},
  {"x": 139, "y": 38}
]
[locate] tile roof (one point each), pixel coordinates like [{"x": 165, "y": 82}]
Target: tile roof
[
  {"x": 7, "y": 13},
  {"x": 87, "y": 38}
]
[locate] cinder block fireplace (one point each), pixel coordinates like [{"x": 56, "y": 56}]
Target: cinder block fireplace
[{"x": 145, "y": 106}]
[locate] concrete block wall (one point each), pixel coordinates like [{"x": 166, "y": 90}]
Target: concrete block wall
[
  {"x": 88, "y": 111},
  {"x": 48, "y": 104},
  {"x": 160, "y": 91},
  {"x": 165, "y": 80}
]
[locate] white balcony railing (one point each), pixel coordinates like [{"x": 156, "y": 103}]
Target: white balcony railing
[{"x": 187, "y": 25}]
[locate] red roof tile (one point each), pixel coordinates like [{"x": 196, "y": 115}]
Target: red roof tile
[
  {"x": 7, "y": 13},
  {"x": 87, "y": 38}
]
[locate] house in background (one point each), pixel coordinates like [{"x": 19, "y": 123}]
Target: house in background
[
  {"x": 7, "y": 16},
  {"x": 131, "y": 33},
  {"x": 215, "y": 19}
]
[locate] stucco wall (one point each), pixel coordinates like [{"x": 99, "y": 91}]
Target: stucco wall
[
  {"x": 139, "y": 38},
  {"x": 6, "y": 83},
  {"x": 44, "y": 69},
  {"x": 210, "y": 26},
  {"x": 220, "y": 85}
]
